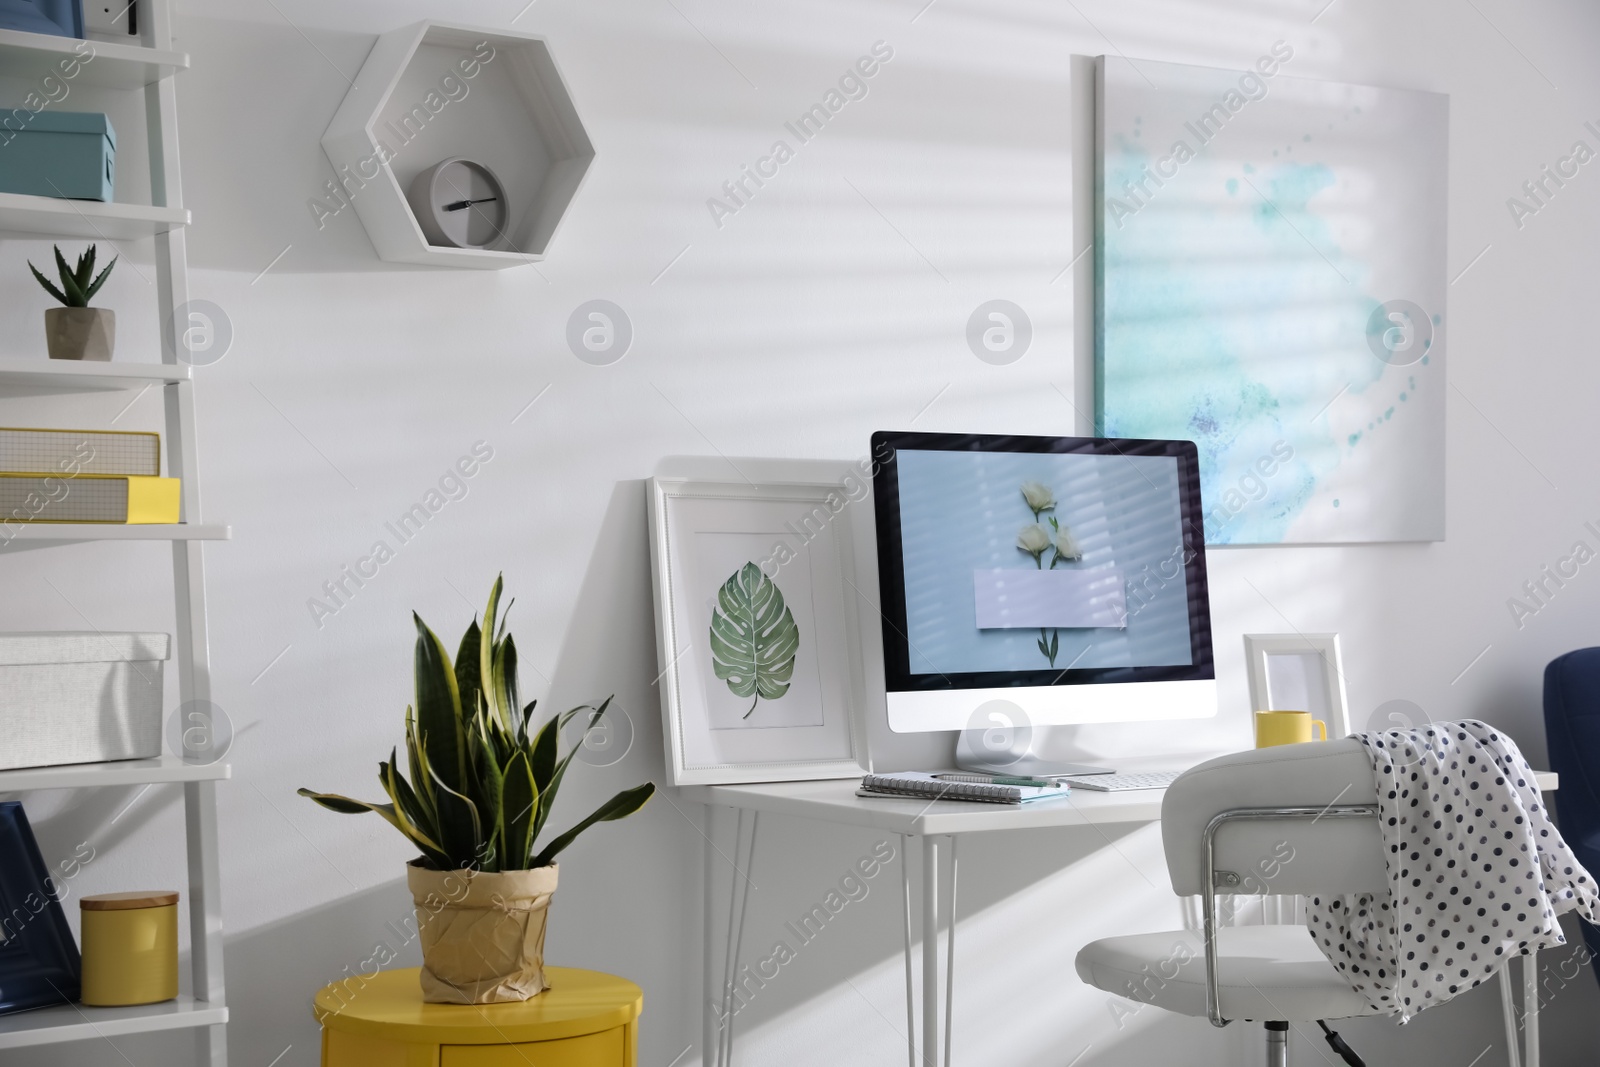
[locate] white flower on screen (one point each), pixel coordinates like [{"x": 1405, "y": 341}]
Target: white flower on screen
[
  {"x": 1034, "y": 540},
  {"x": 1066, "y": 546},
  {"x": 1039, "y": 497}
]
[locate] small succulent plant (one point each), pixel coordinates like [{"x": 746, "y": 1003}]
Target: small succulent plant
[{"x": 76, "y": 289}]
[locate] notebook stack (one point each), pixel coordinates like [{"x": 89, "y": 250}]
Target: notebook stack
[
  {"x": 954, "y": 785},
  {"x": 84, "y": 476}
]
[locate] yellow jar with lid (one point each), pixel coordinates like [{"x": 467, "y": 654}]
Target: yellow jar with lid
[{"x": 130, "y": 948}]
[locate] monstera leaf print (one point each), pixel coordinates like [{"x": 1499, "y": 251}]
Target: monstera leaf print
[{"x": 753, "y": 637}]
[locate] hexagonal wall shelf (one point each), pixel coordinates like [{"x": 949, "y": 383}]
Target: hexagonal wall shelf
[{"x": 435, "y": 90}]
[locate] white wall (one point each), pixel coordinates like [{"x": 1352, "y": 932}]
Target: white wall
[{"x": 831, "y": 306}]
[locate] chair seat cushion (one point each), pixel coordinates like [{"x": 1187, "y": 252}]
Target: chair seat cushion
[{"x": 1265, "y": 972}]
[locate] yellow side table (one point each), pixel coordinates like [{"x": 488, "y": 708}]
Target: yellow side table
[{"x": 585, "y": 1019}]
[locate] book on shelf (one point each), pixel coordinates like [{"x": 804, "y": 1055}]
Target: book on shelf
[
  {"x": 957, "y": 786},
  {"x": 103, "y": 498},
  {"x": 76, "y": 452}
]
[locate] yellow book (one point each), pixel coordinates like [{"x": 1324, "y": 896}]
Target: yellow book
[{"x": 108, "y": 498}]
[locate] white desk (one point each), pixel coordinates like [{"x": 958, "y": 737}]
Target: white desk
[
  {"x": 939, "y": 823},
  {"x": 836, "y": 801}
]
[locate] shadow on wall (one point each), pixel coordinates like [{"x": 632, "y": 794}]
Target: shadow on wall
[
  {"x": 661, "y": 155},
  {"x": 1569, "y": 1021},
  {"x": 279, "y": 195},
  {"x": 85, "y": 826},
  {"x": 627, "y": 903},
  {"x": 630, "y": 897},
  {"x": 249, "y": 206},
  {"x": 631, "y": 894},
  {"x": 1569, "y": 1024},
  {"x": 272, "y": 973}
]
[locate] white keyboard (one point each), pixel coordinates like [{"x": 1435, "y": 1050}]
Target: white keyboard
[{"x": 1119, "y": 783}]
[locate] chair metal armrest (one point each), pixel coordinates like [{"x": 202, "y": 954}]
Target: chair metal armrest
[{"x": 1209, "y": 883}]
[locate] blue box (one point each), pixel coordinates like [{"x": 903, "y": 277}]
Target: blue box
[
  {"x": 68, "y": 154},
  {"x": 63, "y": 18}
]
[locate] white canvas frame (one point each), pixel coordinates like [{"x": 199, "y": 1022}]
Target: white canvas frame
[
  {"x": 681, "y": 494},
  {"x": 1292, "y": 471},
  {"x": 1323, "y": 650}
]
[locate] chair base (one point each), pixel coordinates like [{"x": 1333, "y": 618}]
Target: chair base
[{"x": 1277, "y": 1044}]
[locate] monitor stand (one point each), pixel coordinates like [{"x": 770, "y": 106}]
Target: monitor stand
[{"x": 973, "y": 754}]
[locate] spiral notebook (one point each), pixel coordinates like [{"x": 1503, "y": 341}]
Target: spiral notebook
[{"x": 930, "y": 787}]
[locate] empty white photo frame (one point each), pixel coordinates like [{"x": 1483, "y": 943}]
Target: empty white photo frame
[
  {"x": 792, "y": 520},
  {"x": 1298, "y": 672}
]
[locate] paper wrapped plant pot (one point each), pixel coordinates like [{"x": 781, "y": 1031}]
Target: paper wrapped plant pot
[{"x": 482, "y": 933}]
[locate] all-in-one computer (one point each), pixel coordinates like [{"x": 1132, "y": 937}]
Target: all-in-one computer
[{"x": 1035, "y": 581}]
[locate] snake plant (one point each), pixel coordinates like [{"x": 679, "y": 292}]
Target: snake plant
[{"x": 481, "y": 785}]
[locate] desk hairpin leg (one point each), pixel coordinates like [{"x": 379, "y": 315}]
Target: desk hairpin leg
[
  {"x": 950, "y": 956},
  {"x": 708, "y": 1009},
  {"x": 718, "y": 1007},
  {"x": 932, "y": 846},
  {"x": 735, "y": 943},
  {"x": 725, "y": 986},
  {"x": 911, "y": 996},
  {"x": 930, "y": 951}
]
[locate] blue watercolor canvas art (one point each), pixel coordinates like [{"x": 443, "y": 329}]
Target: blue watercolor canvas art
[{"x": 1270, "y": 269}]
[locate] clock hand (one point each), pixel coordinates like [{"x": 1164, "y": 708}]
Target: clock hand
[{"x": 459, "y": 204}]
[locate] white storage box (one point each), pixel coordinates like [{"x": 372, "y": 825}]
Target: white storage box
[{"x": 79, "y": 697}]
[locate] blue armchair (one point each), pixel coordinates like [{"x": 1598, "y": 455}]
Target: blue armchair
[{"x": 1572, "y": 732}]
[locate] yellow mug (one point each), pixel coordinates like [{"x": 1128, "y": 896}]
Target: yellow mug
[{"x": 1288, "y": 728}]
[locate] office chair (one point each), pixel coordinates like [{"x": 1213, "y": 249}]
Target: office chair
[
  {"x": 1572, "y": 733},
  {"x": 1296, "y": 819}
]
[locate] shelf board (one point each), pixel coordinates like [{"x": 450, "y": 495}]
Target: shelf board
[
  {"x": 76, "y": 1022},
  {"x": 48, "y": 216},
  {"x": 156, "y": 771},
  {"x": 113, "y": 65},
  {"x": 71, "y": 375},
  {"x": 110, "y": 531}
]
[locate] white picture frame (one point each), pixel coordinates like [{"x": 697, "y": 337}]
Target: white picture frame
[
  {"x": 795, "y": 521},
  {"x": 1298, "y": 672}
]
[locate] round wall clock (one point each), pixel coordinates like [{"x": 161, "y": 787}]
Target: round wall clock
[{"x": 460, "y": 204}]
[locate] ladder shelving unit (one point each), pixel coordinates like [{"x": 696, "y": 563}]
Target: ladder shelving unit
[{"x": 149, "y": 66}]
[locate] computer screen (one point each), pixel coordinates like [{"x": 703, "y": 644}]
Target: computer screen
[{"x": 1066, "y": 574}]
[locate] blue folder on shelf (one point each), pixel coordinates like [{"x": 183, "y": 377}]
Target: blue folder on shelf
[{"x": 61, "y": 18}]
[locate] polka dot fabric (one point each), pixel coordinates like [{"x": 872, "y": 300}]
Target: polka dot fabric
[{"x": 1477, "y": 873}]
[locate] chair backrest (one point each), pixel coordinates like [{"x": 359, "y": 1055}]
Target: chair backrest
[
  {"x": 1304, "y": 856},
  {"x": 1572, "y": 733}
]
